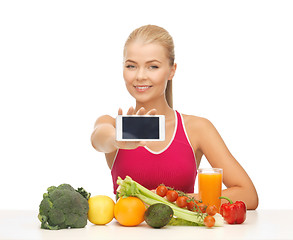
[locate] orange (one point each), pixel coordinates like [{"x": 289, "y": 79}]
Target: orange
[{"x": 129, "y": 211}]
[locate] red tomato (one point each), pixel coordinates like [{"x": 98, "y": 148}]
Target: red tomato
[
  {"x": 209, "y": 221},
  {"x": 201, "y": 207},
  {"x": 171, "y": 195},
  {"x": 191, "y": 206},
  {"x": 181, "y": 201},
  {"x": 211, "y": 210},
  {"x": 161, "y": 190}
]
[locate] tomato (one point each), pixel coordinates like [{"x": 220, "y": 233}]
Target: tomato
[
  {"x": 162, "y": 190},
  {"x": 209, "y": 221},
  {"x": 211, "y": 210},
  {"x": 201, "y": 207},
  {"x": 129, "y": 211},
  {"x": 171, "y": 195},
  {"x": 191, "y": 205},
  {"x": 181, "y": 201}
]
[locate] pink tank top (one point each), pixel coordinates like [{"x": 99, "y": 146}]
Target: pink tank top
[{"x": 174, "y": 166}]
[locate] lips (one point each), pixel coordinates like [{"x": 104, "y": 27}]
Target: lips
[{"x": 142, "y": 88}]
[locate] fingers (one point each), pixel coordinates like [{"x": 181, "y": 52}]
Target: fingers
[
  {"x": 142, "y": 143},
  {"x": 141, "y": 111},
  {"x": 152, "y": 112},
  {"x": 130, "y": 111},
  {"x": 129, "y": 144}
]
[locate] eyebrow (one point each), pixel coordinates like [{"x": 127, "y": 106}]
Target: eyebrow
[{"x": 150, "y": 61}]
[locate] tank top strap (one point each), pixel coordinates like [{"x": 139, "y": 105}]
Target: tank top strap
[{"x": 180, "y": 131}]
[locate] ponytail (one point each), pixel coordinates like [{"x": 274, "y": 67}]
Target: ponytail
[{"x": 169, "y": 94}]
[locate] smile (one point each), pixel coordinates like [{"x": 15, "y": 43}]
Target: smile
[{"x": 142, "y": 88}]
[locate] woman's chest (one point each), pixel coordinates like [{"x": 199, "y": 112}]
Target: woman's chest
[{"x": 170, "y": 131}]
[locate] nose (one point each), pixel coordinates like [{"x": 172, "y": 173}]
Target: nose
[{"x": 141, "y": 74}]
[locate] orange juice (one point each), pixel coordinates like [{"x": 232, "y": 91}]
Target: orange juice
[{"x": 210, "y": 186}]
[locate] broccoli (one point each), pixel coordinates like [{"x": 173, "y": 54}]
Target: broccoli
[{"x": 64, "y": 207}]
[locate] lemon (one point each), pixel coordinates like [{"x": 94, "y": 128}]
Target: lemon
[{"x": 101, "y": 209}]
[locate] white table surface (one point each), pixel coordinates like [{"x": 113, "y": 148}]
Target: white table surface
[{"x": 260, "y": 224}]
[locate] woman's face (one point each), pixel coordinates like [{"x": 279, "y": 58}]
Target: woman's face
[{"x": 146, "y": 71}]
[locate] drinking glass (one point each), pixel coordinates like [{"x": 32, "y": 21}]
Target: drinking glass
[{"x": 210, "y": 186}]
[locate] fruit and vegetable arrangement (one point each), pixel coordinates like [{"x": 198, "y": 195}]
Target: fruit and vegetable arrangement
[{"x": 64, "y": 207}]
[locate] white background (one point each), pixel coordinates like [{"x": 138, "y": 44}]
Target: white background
[{"x": 61, "y": 68}]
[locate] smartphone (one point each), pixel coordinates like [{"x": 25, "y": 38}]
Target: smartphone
[{"x": 140, "y": 128}]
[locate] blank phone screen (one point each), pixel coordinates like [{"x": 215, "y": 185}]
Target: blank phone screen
[{"x": 140, "y": 128}]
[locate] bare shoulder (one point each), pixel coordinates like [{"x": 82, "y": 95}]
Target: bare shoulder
[
  {"x": 196, "y": 124},
  {"x": 201, "y": 133},
  {"x": 105, "y": 119},
  {"x": 196, "y": 128}
]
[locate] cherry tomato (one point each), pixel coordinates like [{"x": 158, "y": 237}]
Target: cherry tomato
[
  {"x": 161, "y": 190},
  {"x": 211, "y": 210},
  {"x": 201, "y": 207},
  {"x": 171, "y": 195},
  {"x": 181, "y": 201},
  {"x": 209, "y": 221},
  {"x": 191, "y": 206}
]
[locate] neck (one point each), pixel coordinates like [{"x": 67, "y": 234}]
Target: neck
[{"x": 161, "y": 106}]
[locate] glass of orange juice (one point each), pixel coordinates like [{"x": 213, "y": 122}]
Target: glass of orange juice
[{"x": 210, "y": 186}]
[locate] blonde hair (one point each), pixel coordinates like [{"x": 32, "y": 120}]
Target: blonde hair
[{"x": 155, "y": 34}]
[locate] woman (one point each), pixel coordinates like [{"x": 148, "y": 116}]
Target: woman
[{"x": 148, "y": 72}]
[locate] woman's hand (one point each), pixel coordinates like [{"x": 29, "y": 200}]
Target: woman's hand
[{"x": 133, "y": 144}]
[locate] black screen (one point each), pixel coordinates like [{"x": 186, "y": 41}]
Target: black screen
[{"x": 140, "y": 127}]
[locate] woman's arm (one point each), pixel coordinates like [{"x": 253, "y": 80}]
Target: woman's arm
[
  {"x": 238, "y": 183},
  {"x": 103, "y": 136}
]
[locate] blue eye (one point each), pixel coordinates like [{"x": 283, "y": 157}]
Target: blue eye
[
  {"x": 154, "y": 67},
  {"x": 130, "y": 66}
]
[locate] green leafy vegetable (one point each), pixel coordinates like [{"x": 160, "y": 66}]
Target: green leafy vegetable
[{"x": 181, "y": 222}]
